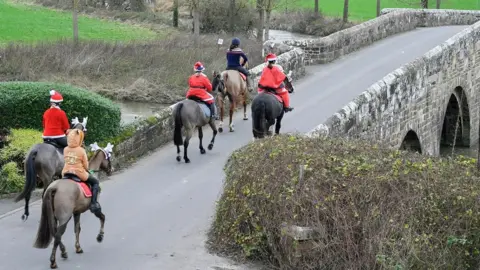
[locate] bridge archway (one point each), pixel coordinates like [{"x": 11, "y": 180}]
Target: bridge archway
[
  {"x": 411, "y": 142},
  {"x": 456, "y": 121}
]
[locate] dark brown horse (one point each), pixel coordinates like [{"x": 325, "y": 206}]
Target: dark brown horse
[
  {"x": 43, "y": 162},
  {"x": 63, "y": 199},
  {"x": 268, "y": 110},
  {"x": 231, "y": 84}
]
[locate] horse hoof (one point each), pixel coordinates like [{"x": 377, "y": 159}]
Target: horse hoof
[
  {"x": 53, "y": 266},
  {"x": 232, "y": 130},
  {"x": 220, "y": 129},
  {"x": 245, "y": 118},
  {"x": 210, "y": 146},
  {"x": 79, "y": 251},
  {"x": 65, "y": 255},
  {"x": 24, "y": 217},
  {"x": 202, "y": 151},
  {"x": 179, "y": 159},
  {"x": 100, "y": 238},
  {"x": 187, "y": 160}
]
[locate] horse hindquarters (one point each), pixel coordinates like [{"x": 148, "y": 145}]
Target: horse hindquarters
[
  {"x": 47, "y": 226},
  {"x": 259, "y": 118}
]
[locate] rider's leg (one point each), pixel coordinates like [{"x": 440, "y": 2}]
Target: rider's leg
[
  {"x": 62, "y": 142},
  {"x": 95, "y": 184},
  {"x": 247, "y": 74},
  {"x": 210, "y": 101},
  {"x": 283, "y": 93}
]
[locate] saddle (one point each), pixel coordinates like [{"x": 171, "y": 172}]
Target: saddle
[
  {"x": 54, "y": 144},
  {"x": 271, "y": 91},
  {"x": 86, "y": 188}
]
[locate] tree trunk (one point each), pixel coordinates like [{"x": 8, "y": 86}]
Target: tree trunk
[
  {"x": 316, "y": 8},
  {"x": 232, "y": 16},
  {"x": 261, "y": 19},
  {"x": 438, "y": 4},
  {"x": 378, "y": 7},
  {"x": 196, "y": 25},
  {"x": 75, "y": 21},
  {"x": 175, "y": 13},
  {"x": 267, "y": 24},
  {"x": 424, "y": 3},
  {"x": 345, "y": 11}
]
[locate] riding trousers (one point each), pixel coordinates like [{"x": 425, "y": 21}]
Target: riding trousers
[{"x": 62, "y": 141}]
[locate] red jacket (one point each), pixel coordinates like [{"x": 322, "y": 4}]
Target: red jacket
[
  {"x": 272, "y": 77},
  {"x": 199, "y": 81},
  {"x": 55, "y": 123}
]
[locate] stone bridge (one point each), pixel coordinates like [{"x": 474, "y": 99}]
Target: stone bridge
[{"x": 429, "y": 102}]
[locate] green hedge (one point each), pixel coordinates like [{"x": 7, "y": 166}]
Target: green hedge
[{"x": 23, "y": 104}]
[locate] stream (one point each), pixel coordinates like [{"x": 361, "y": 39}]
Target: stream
[{"x": 131, "y": 110}]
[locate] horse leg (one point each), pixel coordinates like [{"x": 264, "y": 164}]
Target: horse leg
[
  {"x": 58, "y": 242},
  {"x": 76, "y": 220},
  {"x": 100, "y": 216},
  {"x": 245, "y": 117},
  {"x": 214, "y": 128},
  {"x": 188, "y": 136},
  {"x": 220, "y": 125},
  {"x": 232, "y": 109},
  {"x": 178, "y": 153},
  {"x": 200, "y": 137},
  {"x": 278, "y": 124}
]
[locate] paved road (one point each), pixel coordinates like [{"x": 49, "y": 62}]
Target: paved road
[{"x": 158, "y": 210}]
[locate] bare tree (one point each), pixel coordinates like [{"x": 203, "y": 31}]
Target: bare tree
[
  {"x": 378, "y": 7},
  {"x": 175, "y": 13},
  {"x": 75, "y": 21},
  {"x": 232, "y": 16},
  {"x": 424, "y": 3},
  {"x": 345, "y": 11},
  {"x": 196, "y": 21},
  {"x": 316, "y": 8},
  {"x": 261, "y": 19},
  {"x": 438, "y": 4}
]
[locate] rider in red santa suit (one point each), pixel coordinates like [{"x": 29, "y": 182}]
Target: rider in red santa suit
[
  {"x": 273, "y": 77},
  {"x": 200, "y": 86},
  {"x": 55, "y": 121}
]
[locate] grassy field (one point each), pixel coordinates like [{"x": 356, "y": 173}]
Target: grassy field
[
  {"x": 28, "y": 23},
  {"x": 361, "y": 10}
]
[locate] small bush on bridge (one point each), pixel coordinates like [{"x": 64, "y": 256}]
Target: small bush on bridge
[
  {"x": 25, "y": 102},
  {"x": 378, "y": 208}
]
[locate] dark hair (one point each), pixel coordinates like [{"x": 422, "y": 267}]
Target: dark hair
[{"x": 233, "y": 47}]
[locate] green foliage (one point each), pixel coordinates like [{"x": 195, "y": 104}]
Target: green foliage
[
  {"x": 20, "y": 141},
  {"x": 371, "y": 207},
  {"x": 10, "y": 178},
  {"x": 25, "y": 103}
]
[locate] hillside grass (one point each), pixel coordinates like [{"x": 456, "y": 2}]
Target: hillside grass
[
  {"x": 31, "y": 24},
  {"x": 361, "y": 10}
]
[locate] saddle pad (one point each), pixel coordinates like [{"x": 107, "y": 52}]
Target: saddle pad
[
  {"x": 86, "y": 190},
  {"x": 276, "y": 96},
  {"x": 205, "y": 109},
  {"x": 243, "y": 76}
]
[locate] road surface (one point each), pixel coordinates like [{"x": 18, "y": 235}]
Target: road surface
[{"x": 159, "y": 210}]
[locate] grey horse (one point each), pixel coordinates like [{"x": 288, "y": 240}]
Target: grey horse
[
  {"x": 190, "y": 115},
  {"x": 44, "y": 161}
]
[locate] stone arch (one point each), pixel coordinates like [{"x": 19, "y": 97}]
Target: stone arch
[
  {"x": 457, "y": 111},
  {"x": 411, "y": 142}
]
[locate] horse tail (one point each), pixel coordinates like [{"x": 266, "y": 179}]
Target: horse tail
[
  {"x": 177, "y": 132},
  {"x": 47, "y": 226},
  {"x": 259, "y": 121},
  {"x": 30, "y": 176}
]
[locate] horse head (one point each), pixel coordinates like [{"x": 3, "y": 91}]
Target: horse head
[
  {"x": 288, "y": 83},
  {"x": 218, "y": 84},
  {"x": 102, "y": 159}
]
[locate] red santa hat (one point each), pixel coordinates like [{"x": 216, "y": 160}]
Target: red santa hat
[
  {"x": 55, "y": 96},
  {"x": 270, "y": 57},
  {"x": 198, "y": 66}
]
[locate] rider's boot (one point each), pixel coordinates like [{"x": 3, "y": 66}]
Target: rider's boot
[
  {"x": 213, "y": 110},
  {"x": 94, "y": 205},
  {"x": 249, "y": 83},
  {"x": 288, "y": 109}
]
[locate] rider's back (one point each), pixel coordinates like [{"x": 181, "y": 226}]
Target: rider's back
[
  {"x": 76, "y": 160},
  {"x": 234, "y": 56},
  {"x": 55, "y": 122},
  {"x": 272, "y": 77}
]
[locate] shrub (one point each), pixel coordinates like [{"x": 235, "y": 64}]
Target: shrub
[
  {"x": 20, "y": 141},
  {"x": 153, "y": 71},
  {"x": 25, "y": 102},
  {"x": 10, "y": 178},
  {"x": 215, "y": 16},
  {"x": 379, "y": 208}
]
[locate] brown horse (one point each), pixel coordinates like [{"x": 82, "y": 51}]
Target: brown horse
[
  {"x": 43, "y": 162},
  {"x": 64, "y": 198},
  {"x": 230, "y": 84}
]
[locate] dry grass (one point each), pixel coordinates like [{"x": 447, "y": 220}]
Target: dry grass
[
  {"x": 373, "y": 208},
  {"x": 154, "y": 71}
]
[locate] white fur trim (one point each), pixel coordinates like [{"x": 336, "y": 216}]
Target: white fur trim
[
  {"x": 272, "y": 59},
  {"x": 52, "y": 92},
  {"x": 56, "y": 100}
]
